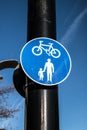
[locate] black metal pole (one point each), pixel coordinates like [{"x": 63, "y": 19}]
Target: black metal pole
[{"x": 41, "y": 104}]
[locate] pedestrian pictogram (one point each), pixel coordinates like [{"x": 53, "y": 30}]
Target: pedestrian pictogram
[
  {"x": 49, "y": 68},
  {"x": 45, "y": 61}
]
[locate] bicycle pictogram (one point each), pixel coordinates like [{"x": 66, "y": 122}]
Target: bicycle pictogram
[{"x": 48, "y": 48}]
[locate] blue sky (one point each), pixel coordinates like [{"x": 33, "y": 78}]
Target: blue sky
[{"x": 72, "y": 33}]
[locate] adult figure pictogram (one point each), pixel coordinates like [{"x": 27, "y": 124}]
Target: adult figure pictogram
[{"x": 49, "y": 68}]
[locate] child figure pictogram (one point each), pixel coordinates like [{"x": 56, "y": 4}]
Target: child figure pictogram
[{"x": 40, "y": 74}]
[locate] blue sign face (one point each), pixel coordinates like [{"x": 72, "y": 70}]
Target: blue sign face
[{"x": 45, "y": 61}]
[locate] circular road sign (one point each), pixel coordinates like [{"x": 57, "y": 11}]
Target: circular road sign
[{"x": 45, "y": 61}]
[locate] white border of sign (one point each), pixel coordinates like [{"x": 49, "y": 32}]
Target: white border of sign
[{"x": 37, "y": 81}]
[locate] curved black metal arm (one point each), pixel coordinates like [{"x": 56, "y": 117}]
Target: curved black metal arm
[
  {"x": 5, "y": 64},
  {"x": 18, "y": 75},
  {"x": 19, "y": 80}
]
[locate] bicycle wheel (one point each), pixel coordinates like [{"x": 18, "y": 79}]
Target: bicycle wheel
[
  {"x": 55, "y": 53},
  {"x": 36, "y": 50}
]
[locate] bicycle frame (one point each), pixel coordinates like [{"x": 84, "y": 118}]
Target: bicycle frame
[
  {"x": 45, "y": 45},
  {"x": 48, "y": 48}
]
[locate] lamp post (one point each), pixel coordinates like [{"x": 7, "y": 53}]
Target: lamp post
[{"x": 41, "y": 102}]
